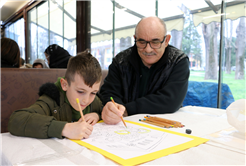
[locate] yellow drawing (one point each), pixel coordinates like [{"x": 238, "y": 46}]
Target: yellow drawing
[
  {"x": 142, "y": 130},
  {"x": 122, "y": 132}
]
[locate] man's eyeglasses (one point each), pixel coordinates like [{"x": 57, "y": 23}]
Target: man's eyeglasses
[{"x": 153, "y": 44}]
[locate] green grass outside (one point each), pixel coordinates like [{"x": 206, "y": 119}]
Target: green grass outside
[{"x": 237, "y": 87}]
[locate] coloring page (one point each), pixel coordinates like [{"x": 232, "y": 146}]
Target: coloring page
[{"x": 133, "y": 141}]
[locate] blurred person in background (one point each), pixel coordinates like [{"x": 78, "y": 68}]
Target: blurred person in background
[
  {"x": 10, "y": 53},
  {"x": 22, "y": 62},
  {"x": 40, "y": 63},
  {"x": 57, "y": 56}
]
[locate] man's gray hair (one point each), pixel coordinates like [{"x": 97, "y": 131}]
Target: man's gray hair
[{"x": 161, "y": 21}]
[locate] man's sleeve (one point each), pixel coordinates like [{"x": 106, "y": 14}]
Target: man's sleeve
[
  {"x": 169, "y": 98},
  {"x": 112, "y": 86}
]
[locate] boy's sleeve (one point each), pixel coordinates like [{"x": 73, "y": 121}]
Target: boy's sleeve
[
  {"x": 96, "y": 106},
  {"x": 36, "y": 121}
]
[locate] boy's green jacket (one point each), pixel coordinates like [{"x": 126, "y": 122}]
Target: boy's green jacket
[{"x": 48, "y": 115}]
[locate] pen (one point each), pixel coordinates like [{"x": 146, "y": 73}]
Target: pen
[
  {"x": 121, "y": 116},
  {"x": 81, "y": 113}
]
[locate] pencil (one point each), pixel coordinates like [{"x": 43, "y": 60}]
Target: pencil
[
  {"x": 121, "y": 116},
  {"x": 172, "y": 122},
  {"x": 162, "y": 120},
  {"x": 81, "y": 113},
  {"x": 156, "y": 124}
]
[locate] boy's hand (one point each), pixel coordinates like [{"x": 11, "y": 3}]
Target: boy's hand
[
  {"x": 91, "y": 118},
  {"x": 77, "y": 130},
  {"x": 111, "y": 113}
]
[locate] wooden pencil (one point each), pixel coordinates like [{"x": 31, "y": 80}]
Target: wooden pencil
[
  {"x": 161, "y": 123},
  {"x": 171, "y": 122},
  {"x": 176, "y": 123},
  {"x": 161, "y": 119},
  {"x": 80, "y": 110},
  {"x": 149, "y": 122}
]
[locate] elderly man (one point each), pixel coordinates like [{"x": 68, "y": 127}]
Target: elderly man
[{"x": 149, "y": 78}]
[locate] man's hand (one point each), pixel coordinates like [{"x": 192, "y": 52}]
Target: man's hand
[
  {"x": 111, "y": 113},
  {"x": 91, "y": 118},
  {"x": 77, "y": 130}
]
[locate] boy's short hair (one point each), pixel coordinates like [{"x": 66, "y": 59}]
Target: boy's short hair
[{"x": 86, "y": 66}]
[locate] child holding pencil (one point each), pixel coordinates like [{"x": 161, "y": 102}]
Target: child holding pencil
[{"x": 56, "y": 113}]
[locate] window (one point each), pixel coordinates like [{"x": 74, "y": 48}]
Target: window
[
  {"x": 52, "y": 22},
  {"x": 15, "y": 31}
]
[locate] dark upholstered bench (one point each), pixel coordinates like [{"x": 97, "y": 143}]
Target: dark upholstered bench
[{"x": 19, "y": 88}]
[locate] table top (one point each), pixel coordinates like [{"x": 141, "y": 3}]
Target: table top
[{"x": 225, "y": 147}]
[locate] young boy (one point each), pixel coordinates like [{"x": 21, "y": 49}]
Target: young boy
[{"x": 56, "y": 112}]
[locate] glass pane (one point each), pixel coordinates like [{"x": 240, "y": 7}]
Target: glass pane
[
  {"x": 147, "y": 8},
  {"x": 56, "y": 24},
  {"x": 6, "y": 33},
  {"x": 70, "y": 47},
  {"x": 56, "y": 39},
  {"x": 43, "y": 33},
  {"x": 201, "y": 43},
  {"x": 234, "y": 57},
  {"x": 11, "y": 32},
  {"x": 20, "y": 36},
  {"x": 101, "y": 31},
  {"x": 124, "y": 30},
  {"x": 32, "y": 26},
  {"x": 70, "y": 26},
  {"x": 16, "y": 32}
]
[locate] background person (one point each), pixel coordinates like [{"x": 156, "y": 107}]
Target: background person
[
  {"x": 22, "y": 62},
  {"x": 57, "y": 56},
  {"x": 56, "y": 112},
  {"x": 149, "y": 78},
  {"x": 39, "y": 63},
  {"x": 10, "y": 53}
]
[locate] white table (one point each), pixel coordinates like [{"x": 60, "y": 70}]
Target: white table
[{"x": 225, "y": 147}]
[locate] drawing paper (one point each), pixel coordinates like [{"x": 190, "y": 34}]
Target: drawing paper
[{"x": 137, "y": 143}]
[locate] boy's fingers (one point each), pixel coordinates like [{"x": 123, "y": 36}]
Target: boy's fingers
[
  {"x": 93, "y": 122},
  {"x": 89, "y": 121}
]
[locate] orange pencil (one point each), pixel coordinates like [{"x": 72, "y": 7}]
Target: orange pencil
[
  {"x": 172, "y": 122},
  {"x": 161, "y": 123},
  {"x": 81, "y": 113},
  {"x": 161, "y": 119},
  {"x": 121, "y": 116},
  {"x": 156, "y": 124}
]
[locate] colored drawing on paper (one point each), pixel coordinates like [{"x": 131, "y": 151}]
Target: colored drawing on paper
[
  {"x": 132, "y": 141},
  {"x": 138, "y": 143}
]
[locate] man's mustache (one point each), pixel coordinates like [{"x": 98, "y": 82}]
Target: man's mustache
[{"x": 150, "y": 53}]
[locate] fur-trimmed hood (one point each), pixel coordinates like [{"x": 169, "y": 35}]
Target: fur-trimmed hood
[{"x": 50, "y": 90}]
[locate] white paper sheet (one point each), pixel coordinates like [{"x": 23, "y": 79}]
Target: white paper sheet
[{"x": 133, "y": 141}]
